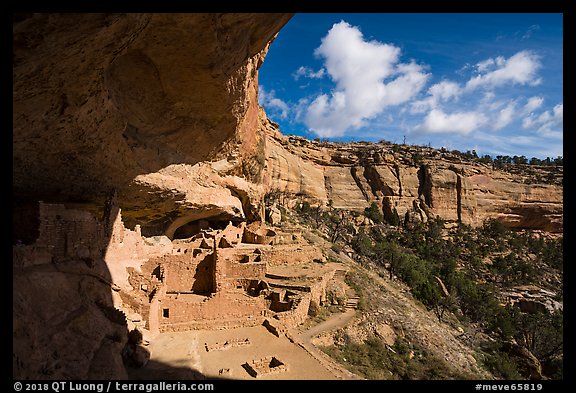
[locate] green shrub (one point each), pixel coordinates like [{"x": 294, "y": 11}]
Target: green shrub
[
  {"x": 494, "y": 229},
  {"x": 374, "y": 213},
  {"x": 362, "y": 244},
  {"x": 502, "y": 365}
]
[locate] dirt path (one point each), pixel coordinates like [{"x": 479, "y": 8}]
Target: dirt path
[
  {"x": 396, "y": 307},
  {"x": 334, "y": 322}
]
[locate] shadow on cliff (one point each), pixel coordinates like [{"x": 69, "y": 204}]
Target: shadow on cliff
[
  {"x": 117, "y": 96},
  {"x": 91, "y": 122},
  {"x": 65, "y": 325}
]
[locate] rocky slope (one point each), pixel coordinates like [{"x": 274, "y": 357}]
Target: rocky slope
[{"x": 408, "y": 182}]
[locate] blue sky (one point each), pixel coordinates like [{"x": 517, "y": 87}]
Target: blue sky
[{"x": 488, "y": 82}]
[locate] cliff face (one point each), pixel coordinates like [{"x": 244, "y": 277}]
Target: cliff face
[
  {"x": 353, "y": 175},
  {"x": 156, "y": 114}
]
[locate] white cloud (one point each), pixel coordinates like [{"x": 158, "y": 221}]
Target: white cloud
[
  {"x": 445, "y": 90},
  {"x": 271, "y": 103},
  {"x": 505, "y": 116},
  {"x": 411, "y": 80},
  {"x": 559, "y": 112},
  {"x": 488, "y": 98},
  {"x": 363, "y": 72},
  {"x": 548, "y": 123},
  {"x": 489, "y": 63},
  {"x": 520, "y": 68},
  {"x": 307, "y": 72},
  {"x": 483, "y": 66},
  {"x": 421, "y": 106},
  {"x": 532, "y": 104},
  {"x": 458, "y": 122},
  {"x": 442, "y": 91}
]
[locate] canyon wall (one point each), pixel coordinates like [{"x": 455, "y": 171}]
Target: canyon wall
[{"x": 353, "y": 175}]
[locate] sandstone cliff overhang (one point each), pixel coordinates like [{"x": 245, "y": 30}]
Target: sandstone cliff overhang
[{"x": 101, "y": 99}]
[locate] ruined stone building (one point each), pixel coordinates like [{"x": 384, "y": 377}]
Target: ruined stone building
[{"x": 214, "y": 279}]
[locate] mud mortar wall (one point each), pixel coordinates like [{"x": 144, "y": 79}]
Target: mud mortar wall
[{"x": 218, "y": 311}]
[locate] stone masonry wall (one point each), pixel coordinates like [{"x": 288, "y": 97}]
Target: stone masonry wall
[{"x": 218, "y": 311}]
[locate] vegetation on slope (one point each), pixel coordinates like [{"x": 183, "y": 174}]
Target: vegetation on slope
[{"x": 463, "y": 274}]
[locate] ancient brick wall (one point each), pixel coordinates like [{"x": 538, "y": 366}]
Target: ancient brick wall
[
  {"x": 315, "y": 292},
  {"x": 190, "y": 273},
  {"x": 245, "y": 270},
  {"x": 290, "y": 254},
  {"x": 185, "y": 312},
  {"x": 73, "y": 233},
  {"x": 232, "y": 233},
  {"x": 298, "y": 313},
  {"x": 128, "y": 249},
  {"x": 63, "y": 234},
  {"x": 234, "y": 264},
  {"x": 318, "y": 288},
  {"x": 265, "y": 366}
]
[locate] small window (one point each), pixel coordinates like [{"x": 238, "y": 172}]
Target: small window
[{"x": 166, "y": 312}]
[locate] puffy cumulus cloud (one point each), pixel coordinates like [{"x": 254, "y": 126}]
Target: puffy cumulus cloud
[
  {"x": 368, "y": 78},
  {"x": 270, "y": 102},
  {"x": 442, "y": 91},
  {"x": 445, "y": 90},
  {"x": 521, "y": 68},
  {"x": 436, "y": 121},
  {"x": 491, "y": 111},
  {"x": 549, "y": 123},
  {"x": 308, "y": 72}
]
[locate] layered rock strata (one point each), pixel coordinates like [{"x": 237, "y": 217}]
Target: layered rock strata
[{"x": 353, "y": 175}]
